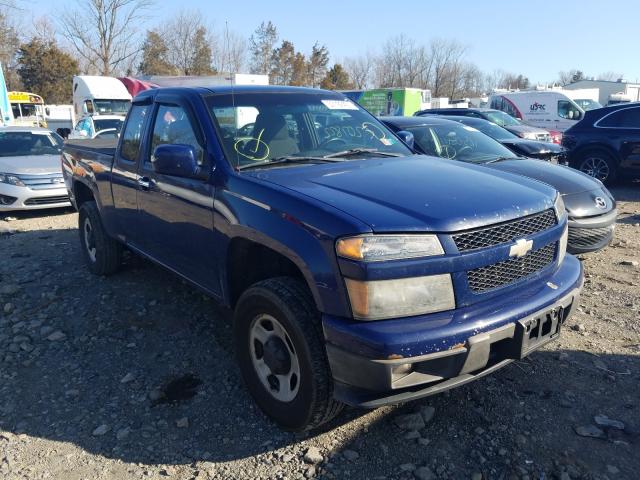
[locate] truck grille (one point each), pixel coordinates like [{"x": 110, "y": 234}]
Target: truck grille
[
  {"x": 505, "y": 232},
  {"x": 44, "y": 181},
  {"x": 503, "y": 273},
  {"x": 47, "y": 200},
  {"x": 587, "y": 237}
]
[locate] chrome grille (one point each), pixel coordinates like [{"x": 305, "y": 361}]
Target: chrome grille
[
  {"x": 503, "y": 273},
  {"x": 588, "y": 237},
  {"x": 45, "y": 181},
  {"x": 505, "y": 232},
  {"x": 543, "y": 137}
]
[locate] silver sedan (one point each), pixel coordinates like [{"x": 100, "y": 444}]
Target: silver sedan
[{"x": 30, "y": 169}]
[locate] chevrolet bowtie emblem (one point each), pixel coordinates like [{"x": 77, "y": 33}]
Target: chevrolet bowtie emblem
[{"x": 520, "y": 248}]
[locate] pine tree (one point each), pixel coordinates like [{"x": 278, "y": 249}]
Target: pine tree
[
  {"x": 337, "y": 79},
  {"x": 154, "y": 56}
]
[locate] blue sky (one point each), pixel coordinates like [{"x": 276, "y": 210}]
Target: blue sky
[{"x": 537, "y": 39}]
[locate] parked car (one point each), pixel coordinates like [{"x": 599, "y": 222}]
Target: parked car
[
  {"x": 30, "y": 173},
  {"x": 499, "y": 118},
  {"x": 359, "y": 272},
  {"x": 606, "y": 143},
  {"x": 97, "y": 126},
  {"x": 546, "y": 109},
  {"x": 590, "y": 207},
  {"x": 550, "y": 152}
]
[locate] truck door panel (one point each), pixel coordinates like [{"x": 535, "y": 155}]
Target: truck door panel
[{"x": 175, "y": 213}]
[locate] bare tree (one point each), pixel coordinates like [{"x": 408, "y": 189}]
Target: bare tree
[
  {"x": 261, "y": 45},
  {"x": 402, "y": 63},
  {"x": 360, "y": 69},
  {"x": 43, "y": 29},
  {"x": 231, "y": 54},
  {"x": 610, "y": 76},
  {"x": 9, "y": 45},
  {"x": 189, "y": 43},
  {"x": 102, "y": 32}
]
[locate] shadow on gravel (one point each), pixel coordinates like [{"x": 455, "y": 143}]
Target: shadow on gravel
[
  {"x": 626, "y": 192},
  {"x": 45, "y": 212},
  {"x": 139, "y": 367}
]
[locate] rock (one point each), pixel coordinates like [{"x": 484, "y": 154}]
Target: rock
[
  {"x": 287, "y": 457},
  {"x": 351, "y": 455},
  {"x": 590, "y": 431},
  {"x": 56, "y": 336},
  {"x": 123, "y": 433},
  {"x": 313, "y": 455},
  {"x": 8, "y": 307},
  {"x": 423, "y": 473},
  {"x": 427, "y": 413},
  {"x": 407, "y": 467},
  {"x": 310, "y": 472},
  {"x": 129, "y": 377},
  {"x": 578, "y": 328},
  {"x": 182, "y": 422},
  {"x": 411, "y": 421},
  {"x": 630, "y": 263},
  {"x": 613, "y": 470},
  {"x": 101, "y": 430},
  {"x": 605, "y": 421}
]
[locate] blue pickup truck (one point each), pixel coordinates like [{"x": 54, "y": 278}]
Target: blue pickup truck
[{"x": 359, "y": 273}]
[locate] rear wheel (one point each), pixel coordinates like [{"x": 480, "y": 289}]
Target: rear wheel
[
  {"x": 599, "y": 164},
  {"x": 281, "y": 354},
  {"x": 101, "y": 252}
]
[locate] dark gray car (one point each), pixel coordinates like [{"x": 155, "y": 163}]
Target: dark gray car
[{"x": 591, "y": 208}]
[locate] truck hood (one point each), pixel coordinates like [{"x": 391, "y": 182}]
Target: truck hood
[
  {"x": 564, "y": 179},
  {"x": 416, "y": 193},
  {"x": 31, "y": 164}
]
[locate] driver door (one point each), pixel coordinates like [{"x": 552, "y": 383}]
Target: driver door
[{"x": 176, "y": 213}]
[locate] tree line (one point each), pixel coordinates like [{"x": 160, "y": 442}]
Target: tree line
[{"x": 103, "y": 37}]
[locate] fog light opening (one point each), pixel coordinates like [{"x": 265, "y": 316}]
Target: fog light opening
[{"x": 400, "y": 371}]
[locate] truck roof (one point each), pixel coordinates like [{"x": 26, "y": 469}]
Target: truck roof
[{"x": 228, "y": 89}]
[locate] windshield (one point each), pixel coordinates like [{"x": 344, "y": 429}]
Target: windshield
[
  {"x": 588, "y": 104},
  {"x": 19, "y": 144},
  {"x": 108, "y": 124},
  {"x": 111, "y": 106},
  {"x": 502, "y": 119},
  {"x": 493, "y": 130},
  {"x": 458, "y": 142},
  {"x": 258, "y": 128}
]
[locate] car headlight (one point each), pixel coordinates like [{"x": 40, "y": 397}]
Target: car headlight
[
  {"x": 11, "y": 179},
  {"x": 403, "y": 297},
  {"x": 529, "y": 135},
  {"x": 376, "y": 248},
  {"x": 561, "y": 214}
]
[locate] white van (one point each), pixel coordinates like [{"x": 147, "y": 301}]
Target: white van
[
  {"x": 94, "y": 95},
  {"x": 545, "y": 109}
]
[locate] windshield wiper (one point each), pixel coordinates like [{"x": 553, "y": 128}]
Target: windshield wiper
[
  {"x": 501, "y": 159},
  {"x": 359, "y": 151},
  {"x": 288, "y": 159}
]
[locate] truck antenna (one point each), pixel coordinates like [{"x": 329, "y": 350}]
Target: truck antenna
[{"x": 233, "y": 97}]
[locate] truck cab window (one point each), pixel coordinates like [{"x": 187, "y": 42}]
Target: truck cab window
[
  {"x": 568, "y": 110},
  {"x": 132, "y": 134},
  {"x": 172, "y": 126}
]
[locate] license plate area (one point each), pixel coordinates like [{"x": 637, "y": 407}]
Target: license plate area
[{"x": 533, "y": 333}]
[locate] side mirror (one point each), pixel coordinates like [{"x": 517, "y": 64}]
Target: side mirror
[
  {"x": 47, "y": 110},
  {"x": 175, "y": 159},
  {"x": 407, "y": 138}
]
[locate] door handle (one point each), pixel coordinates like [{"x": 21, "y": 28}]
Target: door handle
[{"x": 144, "y": 182}]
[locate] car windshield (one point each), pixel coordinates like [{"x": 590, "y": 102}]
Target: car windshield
[
  {"x": 262, "y": 128},
  {"x": 108, "y": 124},
  {"x": 502, "y": 119},
  {"x": 493, "y": 130},
  {"x": 111, "y": 106},
  {"x": 20, "y": 144},
  {"x": 458, "y": 142}
]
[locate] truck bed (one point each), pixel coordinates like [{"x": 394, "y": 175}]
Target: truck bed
[{"x": 104, "y": 146}]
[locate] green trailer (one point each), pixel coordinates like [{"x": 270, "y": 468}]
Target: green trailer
[{"x": 391, "y": 101}]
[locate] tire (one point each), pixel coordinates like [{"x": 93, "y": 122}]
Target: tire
[
  {"x": 598, "y": 163},
  {"x": 101, "y": 253},
  {"x": 286, "y": 305}
]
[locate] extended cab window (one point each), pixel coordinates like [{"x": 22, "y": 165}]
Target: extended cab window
[
  {"x": 173, "y": 126},
  {"x": 132, "y": 134},
  {"x": 627, "y": 118}
]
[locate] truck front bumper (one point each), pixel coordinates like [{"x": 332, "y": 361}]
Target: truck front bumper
[{"x": 393, "y": 361}]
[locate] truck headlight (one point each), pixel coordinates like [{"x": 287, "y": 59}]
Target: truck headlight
[
  {"x": 561, "y": 215},
  {"x": 403, "y": 297},
  {"x": 558, "y": 206},
  {"x": 11, "y": 180},
  {"x": 563, "y": 243},
  {"x": 376, "y": 248}
]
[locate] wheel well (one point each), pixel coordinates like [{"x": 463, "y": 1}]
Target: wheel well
[
  {"x": 82, "y": 193},
  {"x": 249, "y": 262},
  {"x": 590, "y": 148}
]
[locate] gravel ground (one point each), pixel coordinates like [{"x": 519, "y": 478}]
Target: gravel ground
[{"x": 133, "y": 376}]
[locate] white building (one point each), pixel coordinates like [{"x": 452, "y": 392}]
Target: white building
[{"x": 609, "y": 91}]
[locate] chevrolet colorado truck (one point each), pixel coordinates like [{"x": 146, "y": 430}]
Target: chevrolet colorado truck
[{"x": 358, "y": 273}]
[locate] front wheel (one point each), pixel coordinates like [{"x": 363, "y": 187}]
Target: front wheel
[
  {"x": 598, "y": 164},
  {"x": 281, "y": 354},
  {"x": 101, "y": 253}
]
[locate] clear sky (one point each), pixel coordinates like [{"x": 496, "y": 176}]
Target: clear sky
[{"x": 537, "y": 39}]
